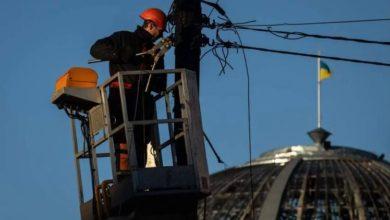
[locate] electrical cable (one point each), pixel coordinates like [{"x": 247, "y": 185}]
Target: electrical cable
[
  {"x": 285, "y": 37},
  {"x": 170, "y": 23},
  {"x": 222, "y": 59},
  {"x": 227, "y": 19},
  {"x": 137, "y": 97},
  {"x": 86, "y": 135},
  {"x": 219, "y": 160},
  {"x": 223, "y": 62},
  {"x": 213, "y": 6},
  {"x": 205, "y": 53},
  {"x": 302, "y": 35},
  {"x": 249, "y": 124},
  {"x": 235, "y": 45},
  {"x": 320, "y": 22}
]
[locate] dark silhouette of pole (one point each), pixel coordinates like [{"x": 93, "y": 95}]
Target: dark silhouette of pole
[{"x": 187, "y": 18}]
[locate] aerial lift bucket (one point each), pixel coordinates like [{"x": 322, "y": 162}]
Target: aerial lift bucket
[{"x": 166, "y": 188}]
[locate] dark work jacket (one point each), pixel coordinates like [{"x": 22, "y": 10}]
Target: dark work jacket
[{"x": 120, "y": 50}]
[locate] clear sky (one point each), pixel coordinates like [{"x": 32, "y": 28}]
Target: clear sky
[{"x": 41, "y": 39}]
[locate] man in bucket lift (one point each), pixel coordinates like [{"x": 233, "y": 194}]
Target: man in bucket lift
[{"x": 121, "y": 49}]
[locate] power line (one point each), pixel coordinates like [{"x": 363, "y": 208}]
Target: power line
[
  {"x": 235, "y": 45},
  {"x": 219, "y": 160},
  {"x": 249, "y": 126},
  {"x": 212, "y": 9},
  {"x": 223, "y": 62},
  {"x": 302, "y": 34},
  {"x": 249, "y": 121},
  {"x": 319, "y": 23},
  {"x": 248, "y": 26}
]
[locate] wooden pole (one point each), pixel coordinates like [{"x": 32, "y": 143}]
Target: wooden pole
[{"x": 187, "y": 18}]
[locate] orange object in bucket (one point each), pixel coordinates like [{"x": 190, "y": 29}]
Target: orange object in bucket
[
  {"x": 78, "y": 77},
  {"x": 123, "y": 157}
]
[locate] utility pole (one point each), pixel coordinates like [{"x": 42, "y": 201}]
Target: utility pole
[
  {"x": 188, "y": 26},
  {"x": 188, "y": 34},
  {"x": 188, "y": 22}
]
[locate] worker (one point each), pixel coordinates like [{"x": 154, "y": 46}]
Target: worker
[{"x": 120, "y": 50}]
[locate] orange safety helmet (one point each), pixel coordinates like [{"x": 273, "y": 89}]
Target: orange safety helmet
[{"x": 156, "y": 16}]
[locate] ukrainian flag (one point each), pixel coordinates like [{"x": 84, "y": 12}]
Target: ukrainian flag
[{"x": 324, "y": 71}]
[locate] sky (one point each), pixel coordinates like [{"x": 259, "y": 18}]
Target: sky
[{"x": 42, "y": 39}]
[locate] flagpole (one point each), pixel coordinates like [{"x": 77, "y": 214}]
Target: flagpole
[{"x": 318, "y": 93}]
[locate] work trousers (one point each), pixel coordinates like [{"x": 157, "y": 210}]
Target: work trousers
[{"x": 139, "y": 107}]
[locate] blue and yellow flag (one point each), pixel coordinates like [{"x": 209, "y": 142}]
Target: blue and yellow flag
[{"x": 324, "y": 71}]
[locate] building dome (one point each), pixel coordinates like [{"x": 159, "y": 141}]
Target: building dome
[{"x": 317, "y": 181}]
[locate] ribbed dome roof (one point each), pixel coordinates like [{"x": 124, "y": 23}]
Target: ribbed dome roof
[{"x": 304, "y": 182}]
